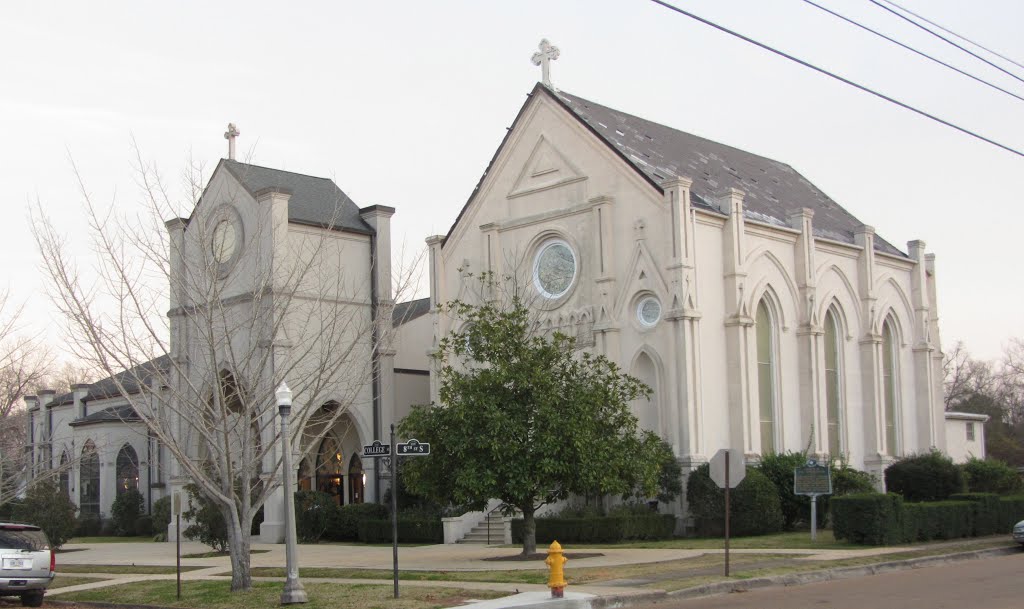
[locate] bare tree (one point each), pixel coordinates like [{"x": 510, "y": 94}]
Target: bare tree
[
  {"x": 965, "y": 376},
  {"x": 297, "y": 306}
]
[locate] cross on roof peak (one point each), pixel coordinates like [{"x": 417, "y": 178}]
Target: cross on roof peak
[
  {"x": 230, "y": 136},
  {"x": 543, "y": 58}
]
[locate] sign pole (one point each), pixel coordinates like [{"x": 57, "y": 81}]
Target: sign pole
[
  {"x": 814, "y": 517},
  {"x": 394, "y": 507},
  {"x": 727, "y": 513},
  {"x": 176, "y": 506}
]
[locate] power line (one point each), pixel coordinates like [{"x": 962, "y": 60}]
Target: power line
[
  {"x": 960, "y": 36},
  {"x": 839, "y": 78},
  {"x": 946, "y": 40},
  {"x": 913, "y": 50}
]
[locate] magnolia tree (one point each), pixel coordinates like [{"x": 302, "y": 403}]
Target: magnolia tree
[
  {"x": 197, "y": 338},
  {"x": 527, "y": 418}
]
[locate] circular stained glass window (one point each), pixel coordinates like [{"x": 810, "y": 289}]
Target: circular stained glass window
[
  {"x": 554, "y": 269},
  {"x": 648, "y": 311},
  {"x": 224, "y": 241}
]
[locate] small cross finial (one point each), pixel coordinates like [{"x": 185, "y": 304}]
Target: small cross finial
[
  {"x": 230, "y": 136},
  {"x": 543, "y": 58}
]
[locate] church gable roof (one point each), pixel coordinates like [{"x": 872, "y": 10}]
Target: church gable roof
[
  {"x": 773, "y": 189},
  {"x": 314, "y": 201}
]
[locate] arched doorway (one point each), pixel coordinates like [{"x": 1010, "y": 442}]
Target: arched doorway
[
  {"x": 329, "y": 476},
  {"x": 647, "y": 410},
  {"x": 127, "y": 470},
  {"x": 356, "y": 480}
]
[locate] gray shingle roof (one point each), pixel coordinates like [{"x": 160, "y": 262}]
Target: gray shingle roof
[
  {"x": 408, "y": 311},
  {"x": 107, "y": 387},
  {"x": 120, "y": 414},
  {"x": 773, "y": 189},
  {"x": 314, "y": 201}
]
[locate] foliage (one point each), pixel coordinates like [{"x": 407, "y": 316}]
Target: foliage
[
  {"x": 314, "y": 510},
  {"x": 89, "y": 525},
  {"x": 986, "y": 511},
  {"x": 868, "y": 518},
  {"x": 600, "y": 529},
  {"x": 344, "y": 523},
  {"x": 161, "y": 512},
  {"x": 208, "y": 525},
  {"x": 47, "y": 506},
  {"x": 778, "y": 468},
  {"x": 670, "y": 474},
  {"x": 930, "y": 476},
  {"x": 126, "y": 510},
  {"x": 990, "y": 476},
  {"x": 144, "y": 525},
  {"x": 847, "y": 480},
  {"x": 754, "y": 506},
  {"x": 410, "y": 530},
  {"x": 1011, "y": 511},
  {"x": 526, "y": 418}
]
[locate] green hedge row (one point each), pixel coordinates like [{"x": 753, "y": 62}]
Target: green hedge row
[
  {"x": 601, "y": 529},
  {"x": 409, "y": 531},
  {"x": 885, "y": 519}
]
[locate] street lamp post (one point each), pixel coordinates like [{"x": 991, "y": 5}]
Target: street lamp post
[{"x": 293, "y": 590}]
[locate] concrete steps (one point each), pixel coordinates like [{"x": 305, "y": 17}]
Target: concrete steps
[{"x": 492, "y": 525}]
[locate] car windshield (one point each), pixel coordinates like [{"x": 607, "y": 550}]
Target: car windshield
[{"x": 22, "y": 538}]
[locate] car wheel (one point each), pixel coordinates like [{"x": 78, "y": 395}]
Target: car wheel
[{"x": 32, "y": 599}]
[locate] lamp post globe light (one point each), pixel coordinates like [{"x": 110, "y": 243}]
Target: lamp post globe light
[{"x": 293, "y": 590}]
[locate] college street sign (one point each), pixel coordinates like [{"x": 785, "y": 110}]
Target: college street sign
[{"x": 376, "y": 450}]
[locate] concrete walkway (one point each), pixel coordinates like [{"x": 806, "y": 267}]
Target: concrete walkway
[{"x": 464, "y": 558}]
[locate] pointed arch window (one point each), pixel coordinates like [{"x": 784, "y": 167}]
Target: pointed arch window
[
  {"x": 833, "y": 395},
  {"x": 65, "y": 473},
  {"x": 127, "y": 470},
  {"x": 356, "y": 480},
  {"x": 766, "y": 376},
  {"x": 889, "y": 383},
  {"x": 89, "y": 481}
]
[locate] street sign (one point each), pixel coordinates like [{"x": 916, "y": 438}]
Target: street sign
[
  {"x": 736, "y": 469},
  {"x": 376, "y": 449},
  {"x": 812, "y": 479},
  {"x": 414, "y": 448}
]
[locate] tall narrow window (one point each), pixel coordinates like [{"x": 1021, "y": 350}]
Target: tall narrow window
[
  {"x": 127, "y": 469},
  {"x": 832, "y": 396},
  {"x": 766, "y": 378},
  {"x": 89, "y": 480},
  {"x": 889, "y": 387},
  {"x": 65, "y": 473}
]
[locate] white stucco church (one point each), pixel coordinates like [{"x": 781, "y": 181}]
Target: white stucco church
[{"x": 763, "y": 315}]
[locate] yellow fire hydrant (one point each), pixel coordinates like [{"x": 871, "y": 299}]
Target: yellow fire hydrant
[{"x": 555, "y": 562}]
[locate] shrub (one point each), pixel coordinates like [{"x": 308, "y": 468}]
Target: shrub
[
  {"x": 754, "y": 505},
  {"x": 869, "y": 518},
  {"x": 161, "y": 512},
  {"x": 943, "y": 520},
  {"x": 313, "y": 512},
  {"x": 986, "y": 511},
  {"x": 1011, "y": 511},
  {"x": 208, "y": 525},
  {"x": 144, "y": 525},
  {"x": 990, "y": 476},
  {"x": 47, "y": 506},
  {"x": 344, "y": 522},
  {"x": 409, "y": 530},
  {"x": 89, "y": 525},
  {"x": 126, "y": 510},
  {"x": 930, "y": 476},
  {"x": 849, "y": 481},
  {"x": 624, "y": 525},
  {"x": 107, "y": 528},
  {"x": 778, "y": 468}
]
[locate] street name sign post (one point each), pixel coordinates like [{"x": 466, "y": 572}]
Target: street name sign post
[
  {"x": 727, "y": 471},
  {"x": 376, "y": 450},
  {"x": 413, "y": 448},
  {"x": 812, "y": 479}
]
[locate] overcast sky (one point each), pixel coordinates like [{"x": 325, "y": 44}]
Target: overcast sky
[{"x": 403, "y": 103}]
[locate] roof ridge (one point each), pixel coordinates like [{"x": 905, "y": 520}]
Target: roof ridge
[{"x": 294, "y": 173}]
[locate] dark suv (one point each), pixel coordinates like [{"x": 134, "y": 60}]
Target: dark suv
[{"x": 27, "y": 563}]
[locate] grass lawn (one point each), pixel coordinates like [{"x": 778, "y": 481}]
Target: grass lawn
[
  {"x": 213, "y": 554},
  {"x": 122, "y": 569},
  {"x": 110, "y": 539},
  {"x": 62, "y": 581},
  {"x": 538, "y": 576},
  {"x": 217, "y": 595},
  {"x": 797, "y": 540}
]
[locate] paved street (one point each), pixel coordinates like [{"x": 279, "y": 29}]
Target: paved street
[{"x": 994, "y": 583}]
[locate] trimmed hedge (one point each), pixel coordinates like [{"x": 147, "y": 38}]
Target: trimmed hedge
[
  {"x": 409, "y": 531},
  {"x": 754, "y": 505},
  {"x": 599, "y": 529},
  {"x": 877, "y": 519},
  {"x": 343, "y": 524},
  {"x": 874, "y": 519},
  {"x": 929, "y": 476},
  {"x": 990, "y": 476}
]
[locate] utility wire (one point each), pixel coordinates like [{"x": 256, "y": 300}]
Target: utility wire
[
  {"x": 839, "y": 78},
  {"x": 946, "y": 40},
  {"x": 949, "y": 31},
  {"x": 913, "y": 50}
]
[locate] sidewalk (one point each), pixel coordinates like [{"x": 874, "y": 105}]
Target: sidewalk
[{"x": 465, "y": 558}]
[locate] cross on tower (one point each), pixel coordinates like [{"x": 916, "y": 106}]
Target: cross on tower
[
  {"x": 543, "y": 58},
  {"x": 230, "y": 136}
]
